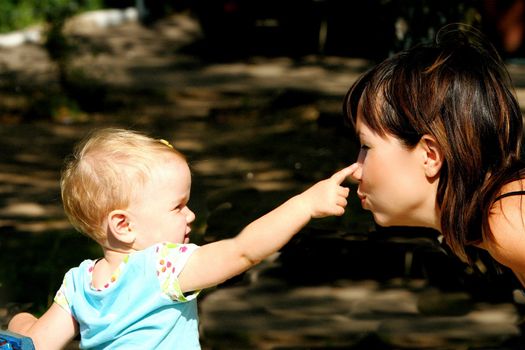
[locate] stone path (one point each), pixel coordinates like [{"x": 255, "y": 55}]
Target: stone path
[{"x": 255, "y": 131}]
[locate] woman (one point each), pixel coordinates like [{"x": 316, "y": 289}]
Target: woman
[{"x": 440, "y": 133}]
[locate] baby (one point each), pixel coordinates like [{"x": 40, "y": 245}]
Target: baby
[{"x": 129, "y": 193}]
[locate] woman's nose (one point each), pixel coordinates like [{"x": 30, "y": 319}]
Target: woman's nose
[{"x": 358, "y": 173}]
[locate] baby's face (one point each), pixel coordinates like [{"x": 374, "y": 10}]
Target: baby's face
[{"x": 159, "y": 212}]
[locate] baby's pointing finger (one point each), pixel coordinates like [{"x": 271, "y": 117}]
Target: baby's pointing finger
[{"x": 342, "y": 174}]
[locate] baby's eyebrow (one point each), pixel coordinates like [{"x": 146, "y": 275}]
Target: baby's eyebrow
[
  {"x": 178, "y": 200},
  {"x": 175, "y": 202}
]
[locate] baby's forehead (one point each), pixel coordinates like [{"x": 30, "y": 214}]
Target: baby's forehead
[
  {"x": 176, "y": 159},
  {"x": 172, "y": 172},
  {"x": 171, "y": 165}
]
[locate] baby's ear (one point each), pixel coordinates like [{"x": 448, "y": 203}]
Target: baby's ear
[
  {"x": 119, "y": 226},
  {"x": 433, "y": 155}
]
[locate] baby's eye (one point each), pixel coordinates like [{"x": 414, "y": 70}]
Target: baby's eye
[{"x": 364, "y": 147}]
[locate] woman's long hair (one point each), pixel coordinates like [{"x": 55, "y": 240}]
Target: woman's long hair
[{"x": 459, "y": 91}]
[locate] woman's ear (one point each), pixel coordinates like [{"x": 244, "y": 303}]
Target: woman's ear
[
  {"x": 433, "y": 155},
  {"x": 120, "y": 227}
]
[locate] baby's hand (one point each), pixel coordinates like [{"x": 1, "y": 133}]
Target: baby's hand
[{"x": 328, "y": 197}]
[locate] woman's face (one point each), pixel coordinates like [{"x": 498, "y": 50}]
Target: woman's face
[{"x": 393, "y": 182}]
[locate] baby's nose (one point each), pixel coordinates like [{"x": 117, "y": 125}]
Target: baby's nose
[{"x": 190, "y": 215}]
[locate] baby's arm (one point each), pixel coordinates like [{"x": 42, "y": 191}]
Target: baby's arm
[
  {"x": 216, "y": 262},
  {"x": 54, "y": 330}
]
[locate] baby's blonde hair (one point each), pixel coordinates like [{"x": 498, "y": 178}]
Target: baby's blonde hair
[{"x": 106, "y": 169}]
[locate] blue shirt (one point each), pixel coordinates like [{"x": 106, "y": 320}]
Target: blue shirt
[{"x": 142, "y": 307}]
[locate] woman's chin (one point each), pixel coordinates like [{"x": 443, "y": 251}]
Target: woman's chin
[
  {"x": 383, "y": 221},
  {"x": 380, "y": 220}
]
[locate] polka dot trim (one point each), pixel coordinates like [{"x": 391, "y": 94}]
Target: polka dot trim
[{"x": 114, "y": 276}]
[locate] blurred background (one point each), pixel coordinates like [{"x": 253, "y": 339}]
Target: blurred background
[{"x": 251, "y": 92}]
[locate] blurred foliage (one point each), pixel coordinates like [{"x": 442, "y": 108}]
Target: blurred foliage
[
  {"x": 372, "y": 29},
  {"x": 418, "y": 21},
  {"x": 18, "y": 14}
]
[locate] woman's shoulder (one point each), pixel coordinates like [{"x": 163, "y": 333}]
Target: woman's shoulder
[{"x": 507, "y": 224}]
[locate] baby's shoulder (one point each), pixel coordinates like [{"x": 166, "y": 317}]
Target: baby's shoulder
[
  {"x": 170, "y": 247},
  {"x": 168, "y": 251}
]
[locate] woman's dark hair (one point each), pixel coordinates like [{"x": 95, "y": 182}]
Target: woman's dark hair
[{"x": 458, "y": 91}]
